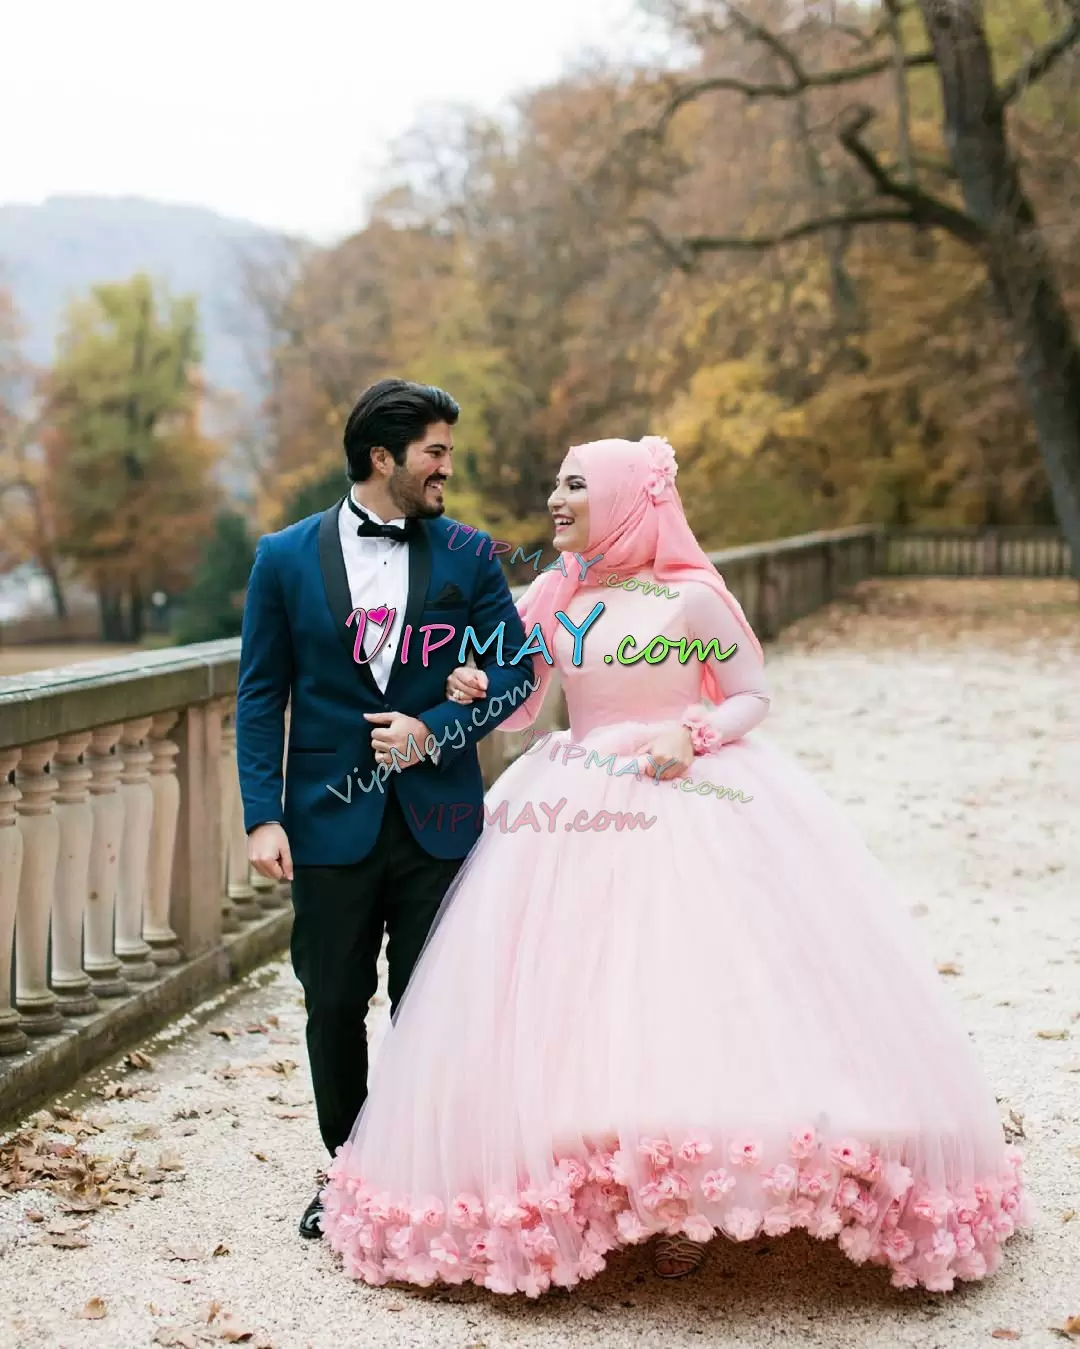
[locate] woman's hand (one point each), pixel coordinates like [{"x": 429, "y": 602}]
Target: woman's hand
[
  {"x": 673, "y": 748},
  {"x": 466, "y": 684}
]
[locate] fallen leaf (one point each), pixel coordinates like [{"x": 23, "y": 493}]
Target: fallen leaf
[
  {"x": 146, "y": 1131},
  {"x": 212, "y": 1311},
  {"x": 1052, "y": 1034},
  {"x": 233, "y": 1331},
  {"x": 81, "y": 1204},
  {"x": 1005, "y": 1335},
  {"x": 948, "y": 967},
  {"x": 292, "y": 1114},
  {"x": 184, "y": 1253},
  {"x": 223, "y": 1032},
  {"x": 170, "y": 1161},
  {"x": 180, "y": 1278},
  {"x": 33, "y": 1216},
  {"x": 175, "y": 1339},
  {"x": 62, "y": 1227},
  {"x": 72, "y": 1242},
  {"x": 257, "y": 1029},
  {"x": 94, "y": 1310},
  {"x": 260, "y": 1156},
  {"x": 220, "y": 1249},
  {"x": 273, "y": 1020},
  {"x": 1068, "y": 1215},
  {"x": 1072, "y": 1325},
  {"x": 137, "y": 1059}
]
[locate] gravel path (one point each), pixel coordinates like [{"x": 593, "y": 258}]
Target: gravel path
[{"x": 947, "y": 717}]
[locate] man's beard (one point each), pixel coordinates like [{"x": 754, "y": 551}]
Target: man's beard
[{"x": 409, "y": 498}]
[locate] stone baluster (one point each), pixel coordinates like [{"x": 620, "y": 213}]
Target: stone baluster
[
  {"x": 105, "y": 767},
  {"x": 75, "y": 821},
  {"x": 196, "y": 900},
  {"x": 138, "y": 799},
  {"x": 240, "y": 894},
  {"x": 159, "y": 936},
  {"x": 37, "y": 1003},
  {"x": 12, "y": 1039}
]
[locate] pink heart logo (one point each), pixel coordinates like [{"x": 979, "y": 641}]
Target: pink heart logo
[{"x": 383, "y": 614}]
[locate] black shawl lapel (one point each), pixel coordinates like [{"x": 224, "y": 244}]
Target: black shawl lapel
[
  {"x": 419, "y": 580},
  {"x": 336, "y": 584}
]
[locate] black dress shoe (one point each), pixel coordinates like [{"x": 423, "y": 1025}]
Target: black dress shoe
[{"x": 311, "y": 1222}]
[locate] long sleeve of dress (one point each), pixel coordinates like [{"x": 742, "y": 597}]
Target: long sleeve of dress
[
  {"x": 530, "y": 709},
  {"x": 741, "y": 677}
]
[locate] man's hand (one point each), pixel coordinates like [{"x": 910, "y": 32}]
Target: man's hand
[
  {"x": 268, "y": 851},
  {"x": 391, "y": 730}
]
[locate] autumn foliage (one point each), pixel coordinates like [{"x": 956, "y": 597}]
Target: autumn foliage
[{"x": 601, "y": 262}]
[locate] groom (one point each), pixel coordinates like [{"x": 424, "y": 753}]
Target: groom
[{"x": 338, "y": 825}]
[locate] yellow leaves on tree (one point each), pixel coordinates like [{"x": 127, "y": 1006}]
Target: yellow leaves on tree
[{"x": 130, "y": 474}]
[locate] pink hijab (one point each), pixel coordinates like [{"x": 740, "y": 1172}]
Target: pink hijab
[{"x": 636, "y": 520}]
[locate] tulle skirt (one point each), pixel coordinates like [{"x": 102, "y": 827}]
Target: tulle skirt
[{"x": 714, "y": 1018}]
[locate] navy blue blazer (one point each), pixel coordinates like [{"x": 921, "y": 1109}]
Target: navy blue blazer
[{"x": 296, "y": 645}]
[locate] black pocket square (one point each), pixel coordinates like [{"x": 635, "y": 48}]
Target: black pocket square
[{"x": 449, "y": 594}]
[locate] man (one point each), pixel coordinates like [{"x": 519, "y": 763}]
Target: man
[{"x": 354, "y": 775}]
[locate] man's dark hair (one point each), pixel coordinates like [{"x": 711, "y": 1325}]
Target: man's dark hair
[{"x": 393, "y": 413}]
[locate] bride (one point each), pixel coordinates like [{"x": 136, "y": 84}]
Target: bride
[{"x": 721, "y": 1024}]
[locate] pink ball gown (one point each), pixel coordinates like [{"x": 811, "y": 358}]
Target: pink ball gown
[{"x": 721, "y": 1021}]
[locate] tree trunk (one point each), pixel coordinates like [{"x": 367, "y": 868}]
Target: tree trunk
[
  {"x": 137, "y": 612},
  {"x": 112, "y": 627},
  {"x": 47, "y": 563},
  {"x": 1020, "y": 266}
]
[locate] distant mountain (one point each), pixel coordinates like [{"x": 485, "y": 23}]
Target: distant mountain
[{"x": 54, "y": 252}]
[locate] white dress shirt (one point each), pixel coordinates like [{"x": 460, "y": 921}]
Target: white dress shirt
[{"x": 378, "y": 572}]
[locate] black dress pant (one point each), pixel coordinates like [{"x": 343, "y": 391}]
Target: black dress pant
[{"x": 340, "y": 914}]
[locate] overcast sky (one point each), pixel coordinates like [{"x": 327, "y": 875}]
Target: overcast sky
[{"x": 277, "y": 111}]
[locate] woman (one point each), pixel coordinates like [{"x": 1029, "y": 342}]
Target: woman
[{"x": 715, "y": 1019}]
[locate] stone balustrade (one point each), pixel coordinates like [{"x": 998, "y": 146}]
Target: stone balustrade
[{"x": 123, "y": 859}]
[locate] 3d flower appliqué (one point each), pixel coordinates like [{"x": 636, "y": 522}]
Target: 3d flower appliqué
[{"x": 663, "y": 466}]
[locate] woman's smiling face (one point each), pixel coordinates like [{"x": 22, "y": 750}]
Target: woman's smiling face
[{"x": 569, "y": 508}]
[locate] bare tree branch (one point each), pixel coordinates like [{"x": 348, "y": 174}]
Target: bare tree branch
[
  {"x": 1040, "y": 62},
  {"x": 826, "y": 79},
  {"x": 925, "y": 208},
  {"x": 684, "y": 252}
]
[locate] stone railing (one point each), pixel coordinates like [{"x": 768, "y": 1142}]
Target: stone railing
[{"x": 124, "y": 884}]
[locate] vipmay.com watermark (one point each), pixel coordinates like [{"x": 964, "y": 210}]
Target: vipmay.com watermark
[
  {"x": 462, "y": 812},
  {"x": 575, "y": 751},
  {"x": 453, "y": 735}
]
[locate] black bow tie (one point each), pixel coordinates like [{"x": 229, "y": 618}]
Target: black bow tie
[{"x": 368, "y": 529}]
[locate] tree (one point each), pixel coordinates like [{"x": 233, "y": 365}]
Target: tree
[
  {"x": 27, "y": 531},
  {"x": 995, "y": 218},
  {"x": 213, "y": 605},
  {"x": 130, "y": 473}
]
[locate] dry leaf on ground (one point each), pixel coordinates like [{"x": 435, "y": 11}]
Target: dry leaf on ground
[
  {"x": 73, "y": 1241},
  {"x": 948, "y": 967},
  {"x": 1005, "y": 1335},
  {"x": 94, "y": 1310},
  {"x": 1052, "y": 1034},
  {"x": 185, "y": 1253},
  {"x": 137, "y": 1059}
]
